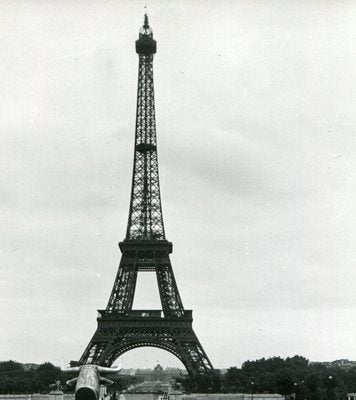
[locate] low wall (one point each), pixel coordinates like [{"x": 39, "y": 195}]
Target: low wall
[
  {"x": 150, "y": 396},
  {"x": 35, "y": 396},
  {"x": 230, "y": 396}
]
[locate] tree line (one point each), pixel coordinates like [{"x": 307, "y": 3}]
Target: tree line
[
  {"x": 15, "y": 379},
  {"x": 293, "y": 375}
]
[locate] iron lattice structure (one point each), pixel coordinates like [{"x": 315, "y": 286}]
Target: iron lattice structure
[{"x": 145, "y": 248}]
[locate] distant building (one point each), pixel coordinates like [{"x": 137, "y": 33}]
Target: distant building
[
  {"x": 152, "y": 380},
  {"x": 158, "y": 374}
]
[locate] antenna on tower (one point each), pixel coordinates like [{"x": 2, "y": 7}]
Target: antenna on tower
[{"x": 145, "y": 24}]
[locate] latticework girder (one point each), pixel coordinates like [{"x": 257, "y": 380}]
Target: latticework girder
[
  {"x": 145, "y": 249},
  {"x": 146, "y": 256},
  {"x": 112, "y": 339},
  {"x": 145, "y": 215}
]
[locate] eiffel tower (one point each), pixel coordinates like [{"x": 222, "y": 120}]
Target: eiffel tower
[{"x": 145, "y": 248}]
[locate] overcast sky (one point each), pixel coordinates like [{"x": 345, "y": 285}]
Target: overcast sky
[{"x": 255, "y": 104}]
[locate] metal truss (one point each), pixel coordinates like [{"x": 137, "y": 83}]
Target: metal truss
[
  {"x": 145, "y": 249},
  {"x": 145, "y": 257},
  {"x": 145, "y": 215},
  {"x": 114, "y": 337}
]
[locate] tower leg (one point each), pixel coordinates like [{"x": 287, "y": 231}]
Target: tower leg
[{"x": 122, "y": 295}]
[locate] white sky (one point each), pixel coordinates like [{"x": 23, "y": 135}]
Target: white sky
[{"x": 255, "y": 105}]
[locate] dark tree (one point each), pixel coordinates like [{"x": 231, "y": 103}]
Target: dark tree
[
  {"x": 10, "y": 366},
  {"x": 47, "y": 374},
  {"x": 233, "y": 379},
  {"x": 284, "y": 381}
]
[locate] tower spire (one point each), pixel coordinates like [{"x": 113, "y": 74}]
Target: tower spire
[
  {"x": 145, "y": 24},
  {"x": 145, "y": 215}
]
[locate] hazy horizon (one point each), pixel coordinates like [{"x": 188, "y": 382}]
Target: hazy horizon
[{"x": 119, "y": 362}]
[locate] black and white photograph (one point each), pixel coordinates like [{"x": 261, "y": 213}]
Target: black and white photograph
[{"x": 177, "y": 200}]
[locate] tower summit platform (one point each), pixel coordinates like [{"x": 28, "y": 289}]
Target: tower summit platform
[{"x": 146, "y": 44}]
